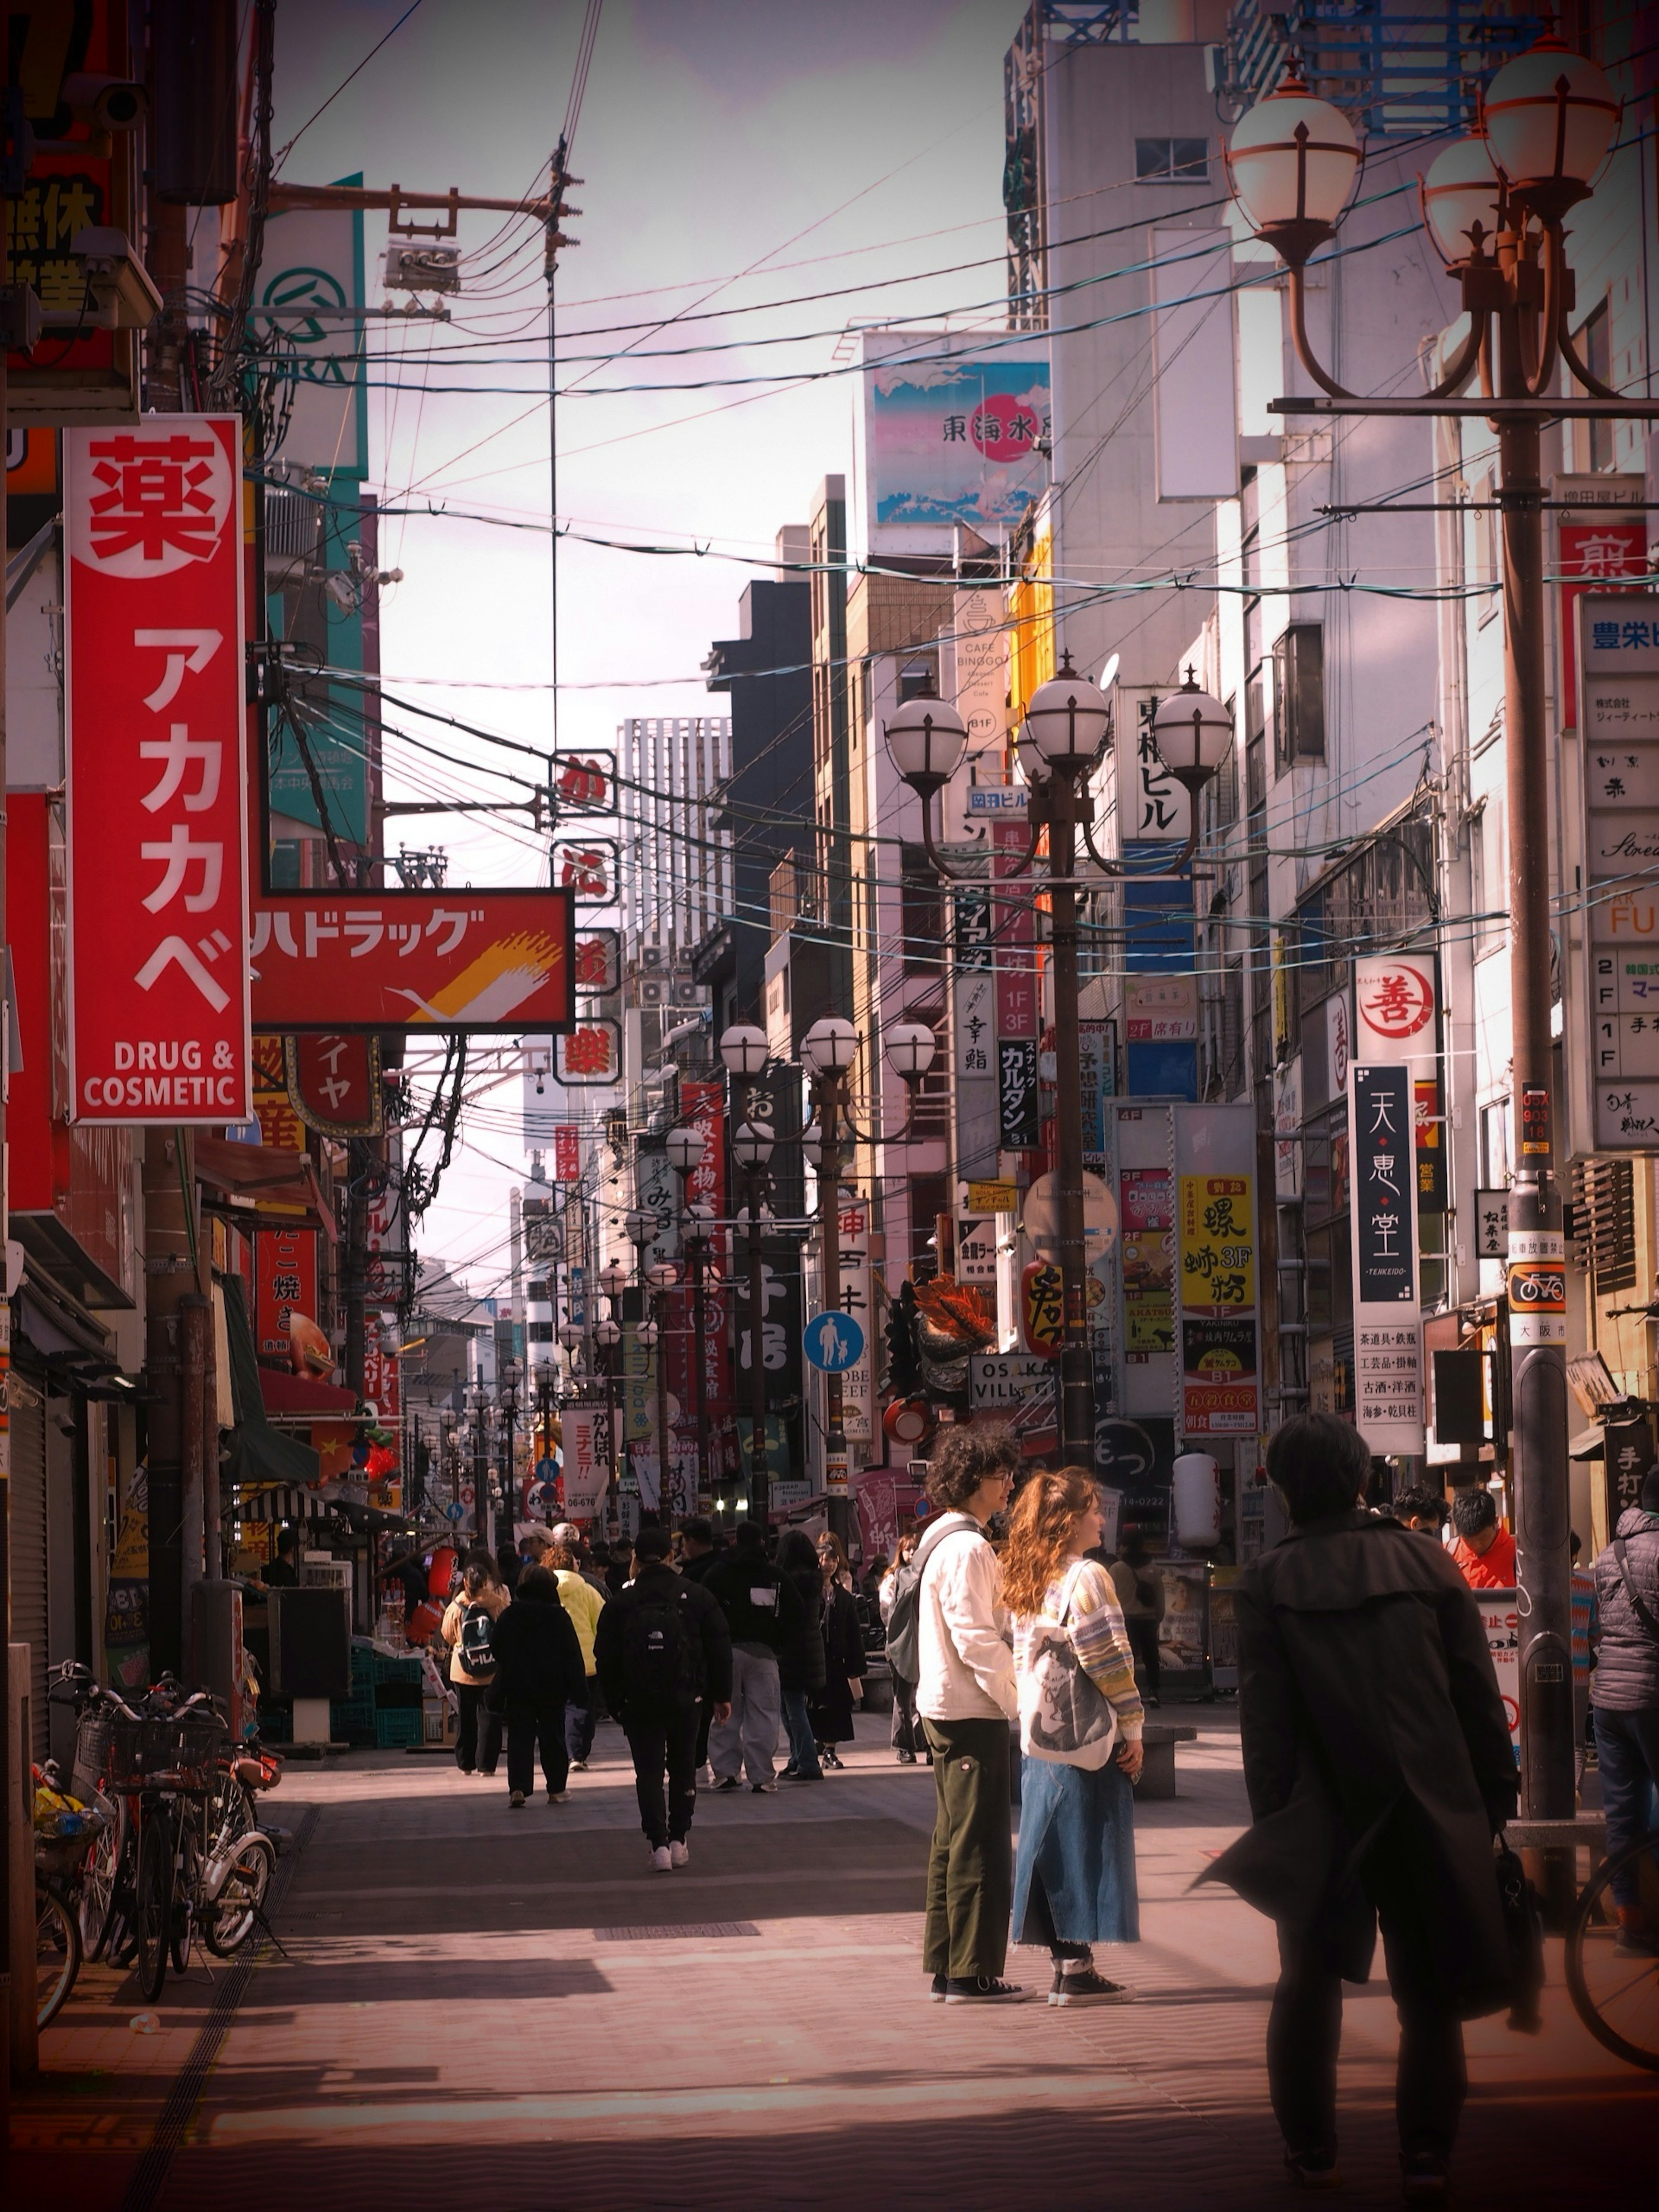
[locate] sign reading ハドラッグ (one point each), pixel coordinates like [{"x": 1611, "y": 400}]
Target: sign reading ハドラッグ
[{"x": 153, "y": 714}]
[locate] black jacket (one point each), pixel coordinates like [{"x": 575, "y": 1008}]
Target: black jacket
[
  {"x": 700, "y": 1569},
  {"x": 538, "y": 1654},
  {"x": 760, "y": 1605},
  {"x": 1378, "y": 1758},
  {"x": 800, "y": 1662},
  {"x": 702, "y": 1621}
]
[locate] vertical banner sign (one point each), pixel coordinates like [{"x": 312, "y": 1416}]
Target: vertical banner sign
[
  {"x": 284, "y": 1284},
  {"x": 1096, "y": 1044},
  {"x": 1397, "y": 1024},
  {"x": 1588, "y": 552},
  {"x": 1215, "y": 1277},
  {"x": 157, "y": 834},
  {"x": 1619, "y": 720},
  {"x": 1014, "y": 926},
  {"x": 567, "y": 1153},
  {"x": 1388, "y": 1329},
  {"x": 587, "y": 1431},
  {"x": 974, "y": 1031}
]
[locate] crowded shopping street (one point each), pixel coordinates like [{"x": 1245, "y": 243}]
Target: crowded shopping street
[{"x": 829, "y": 1104}]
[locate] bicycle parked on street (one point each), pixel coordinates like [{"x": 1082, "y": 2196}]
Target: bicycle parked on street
[{"x": 1612, "y": 1970}]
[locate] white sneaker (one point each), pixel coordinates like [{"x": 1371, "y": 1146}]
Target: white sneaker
[
  {"x": 660, "y": 1859},
  {"x": 680, "y": 1853}
]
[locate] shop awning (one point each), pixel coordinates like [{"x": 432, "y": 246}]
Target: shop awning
[
  {"x": 285, "y": 1394},
  {"x": 258, "y": 1453},
  {"x": 265, "y": 1173}
]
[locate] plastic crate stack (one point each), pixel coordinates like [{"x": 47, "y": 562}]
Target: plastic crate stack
[
  {"x": 351, "y": 1719},
  {"x": 396, "y": 1692}
]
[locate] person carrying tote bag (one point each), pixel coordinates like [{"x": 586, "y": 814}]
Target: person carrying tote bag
[{"x": 1081, "y": 1720}]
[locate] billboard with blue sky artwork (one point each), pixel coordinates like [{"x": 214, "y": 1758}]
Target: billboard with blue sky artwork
[{"x": 956, "y": 429}]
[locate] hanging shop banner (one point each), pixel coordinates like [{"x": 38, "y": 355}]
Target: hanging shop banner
[
  {"x": 589, "y": 1053},
  {"x": 334, "y": 1080},
  {"x": 1097, "y": 1067},
  {"x": 973, "y": 1087},
  {"x": 284, "y": 1284},
  {"x": 586, "y": 1459},
  {"x": 1601, "y": 543},
  {"x": 484, "y": 961},
  {"x": 598, "y": 963},
  {"x": 976, "y": 1251},
  {"x": 1428, "y": 1129},
  {"x": 1147, "y": 1210},
  {"x": 588, "y": 870},
  {"x": 1018, "y": 1106},
  {"x": 1152, "y": 808},
  {"x": 1287, "y": 1130},
  {"x": 280, "y": 1126},
  {"x": 703, "y": 1105},
  {"x": 657, "y": 1190},
  {"x": 1396, "y": 1004},
  {"x": 1618, "y": 717},
  {"x": 1388, "y": 1332},
  {"x": 382, "y": 1381},
  {"x": 781, "y": 1324},
  {"x": 567, "y": 1153},
  {"x": 1491, "y": 1224},
  {"x": 1217, "y": 1271},
  {"x": 1161, "y": 1008},
  {"x": 585, "y": 783},
  {"x": 153, "y": 721},
  {"x": 1018, "y": 1119}
]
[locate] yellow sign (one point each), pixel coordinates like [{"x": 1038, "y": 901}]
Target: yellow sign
[
  {"x": 1218, "y": 1249},
  {"x": 985, "y": 1198}
]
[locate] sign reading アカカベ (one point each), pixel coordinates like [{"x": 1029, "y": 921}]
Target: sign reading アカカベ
[{"x": 153, "y": 687}]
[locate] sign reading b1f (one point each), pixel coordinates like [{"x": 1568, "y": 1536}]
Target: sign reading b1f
[{"x": 157, "y": 820}]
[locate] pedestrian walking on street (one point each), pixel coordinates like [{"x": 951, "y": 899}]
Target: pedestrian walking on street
[
  {"x": 762, "y": 1612},
  {"x": 539, "y": 1673},
  {"x": 698, "y": 1555},
  {"x": 584, "y": 1604},
  {"x": 1080, "y": 1727},
  {"x": 801, "y": 1662},
  {"x": 843, "y": 1652},
  {"x": 468, "y": 1630},
  {"x": 663, "y": 1646},
  {"x": 1421, "y": 1508},
  {"x": 1379, "y": 1769},
  {"x": 966, "y": 1696},
  {"x": 1483, "y": 1554},
  {"x": 906, "y": 1737},
  {"x": 1140, "y": 1589},
  {"x": 1625, "y": 1697}
]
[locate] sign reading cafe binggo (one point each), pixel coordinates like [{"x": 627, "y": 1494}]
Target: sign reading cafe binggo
[{"x": 157, "y": 836}]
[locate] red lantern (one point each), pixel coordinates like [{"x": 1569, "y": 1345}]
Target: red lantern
[{"x": 909, "y": 1421}]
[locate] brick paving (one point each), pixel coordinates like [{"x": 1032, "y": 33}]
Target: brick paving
[{"x": 514, "y": 2005}]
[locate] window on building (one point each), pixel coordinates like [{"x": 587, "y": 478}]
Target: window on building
[
  {"x": 1172, "y": 161},
  {"x": 1604, "y": 1220},
  {"x": 1495, "y": 1145},
  {"x": 916, "y": 679},
  {"x": 930, "y": 1196},
  {"x": 1596, "y": 351},
  {"x": 1299, "y": 694}
]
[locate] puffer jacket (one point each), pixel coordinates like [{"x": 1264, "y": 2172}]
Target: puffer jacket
[{"x": 1626, "y": 1676}]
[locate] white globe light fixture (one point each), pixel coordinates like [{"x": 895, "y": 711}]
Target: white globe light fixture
[
  {"x": 1550, "y": 115},
  {"x": 663, "y": 1276},
  {"x": 925, "y": 741},
  {"x": 910, "y": 1049},
  {"x": 646, "y": 1334},
  {"x": 1066, "y": 723},
  {"x": 641, "y": 1225},
  {"x": 570, "y": 1334},
  {"x": 685, "y": 1148},
  {"x": 1192, "y": 732},
  {"x": 607, "y": 1333},
  {"x": 752, "y": 1144},
  {"x": 1292, "y": 163},
  {"x": 1462, "y": 196},
  {"x": 745, "y": 1049},
  {"x": 613, "y": 1278},
  {"x": 830, "y": 1045}
]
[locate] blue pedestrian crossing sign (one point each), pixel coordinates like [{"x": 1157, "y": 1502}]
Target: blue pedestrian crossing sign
[
  {"x": 455, "y": 1509},
  {"x": 834, "y": 1342}
]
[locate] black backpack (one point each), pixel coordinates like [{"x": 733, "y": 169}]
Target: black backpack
[
  {"x": 476, "y": 1645},
  {"x": 662, "y": 1660},
  {"x": 904, "y": 1614}
]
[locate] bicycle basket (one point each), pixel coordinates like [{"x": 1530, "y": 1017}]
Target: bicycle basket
[
  {"x": 92, "y": 1747},
  {"x": 186, "y": 1745}
]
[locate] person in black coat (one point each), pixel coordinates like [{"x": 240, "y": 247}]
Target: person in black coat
[
  {"x": 660, "y": 1610},
  {"x": 801, "y": 1667},
  {"x": 1379, "y": 1767},
  {"x": 538, "y": 1669},
  {"x": 843, "y": 1652}
]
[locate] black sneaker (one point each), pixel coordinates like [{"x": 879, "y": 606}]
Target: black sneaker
[
  {"x": 727, "y": 1782},
  {"x": 1312, "y": 2170},
  {"x": 907, "y": 1759},
  {"x": 1087, "y": 1988},
  {"x": 1424, "y": 2179},
  {"x": 938, "y": 1989},
  {"x": 984, "y": 1988},
  {"x": 786, "y": 1776},
  {"x": 763, "y": 1789}
]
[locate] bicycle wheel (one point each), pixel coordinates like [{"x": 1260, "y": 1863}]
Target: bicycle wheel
[
  {"x": 1614, "y": 1985},
  {"x": 57, "y": 1952},
  {"x": 152, "y": 1906},
  {"x": 98, "y": 1883},
  {"x": 236, "y": 1913}
]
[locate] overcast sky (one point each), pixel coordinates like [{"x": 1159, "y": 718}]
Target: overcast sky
[{"x": 734, "y": 153}]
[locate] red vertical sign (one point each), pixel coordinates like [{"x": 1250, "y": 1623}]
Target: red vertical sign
[
  {"x": 567, "y": 1153},
  {"x": 1596, "y": 551},
  {"x": 284, "y": 1283},
  {"x": 153, "y": 708}
]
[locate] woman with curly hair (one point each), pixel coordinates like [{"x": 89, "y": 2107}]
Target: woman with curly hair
[{"x": 1074, "y": 1872}]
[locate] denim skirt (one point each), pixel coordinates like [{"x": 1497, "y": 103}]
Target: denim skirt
[{"x": 1076, "y": 1835}]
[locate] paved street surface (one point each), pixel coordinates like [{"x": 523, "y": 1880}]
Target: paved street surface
[{"x": 511, "y": 2010}]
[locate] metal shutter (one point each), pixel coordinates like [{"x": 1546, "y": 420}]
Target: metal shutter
[{"x": 28, "y": 1545}]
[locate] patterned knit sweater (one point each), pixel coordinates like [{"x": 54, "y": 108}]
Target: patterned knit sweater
[{"x": 1096, "y": 1625}]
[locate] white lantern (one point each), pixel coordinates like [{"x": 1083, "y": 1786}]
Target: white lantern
[
  {"x": 1195, "y": 1482},
  {"x": 663, "y": 1276},
  {"x": 926, "y": 740},
  {"x": 745, "y": 1049},
  {"x": 910, "y": 1048},
  {"x": 607, "y": 1333},
  {"x": 1066, "y": 722},
  {"x": 830, "y": 1045},
  {"x": 1550, "y": 115},
  {"x": 684, "y": 1147},
  {"x": 1292, "y": 161},
  {"x": 1463, "y": 201},
  {"x": 1192, "y": 732},
  {"x": 752, "y": 1144}
]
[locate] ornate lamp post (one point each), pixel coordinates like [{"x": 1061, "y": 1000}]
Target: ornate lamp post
[
  {"x": 1494, "y": 204},
  {"x": 829, "y": 1049},
  {"x": 751, "y": 1147},
  {"x": 507, "y": 1407},
  {"x": 1067, "y": 722}
]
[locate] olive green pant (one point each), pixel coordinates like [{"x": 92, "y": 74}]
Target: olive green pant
[{"x": 971, "y": 1867}]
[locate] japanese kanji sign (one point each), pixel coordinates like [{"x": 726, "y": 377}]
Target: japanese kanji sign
[
  {"x": 481, "y": 961},
  {"x": 591, "y": 1053},
  {"x": 1388, "y": 1332},
  {"x": 1216, "y": 1271},
  {"x": 1619, "y": 722},
  {"x": 284, "y": 1284},
  {"x": 153, "y": 713},
  {"x": 1396, "y": 998},
  {"x": 598, "y": 963},
  {"x": 587, "y": 869},
  {"x": 334, "y": 1080},
  {"x": 567, "y": 1153},
  {"x": 1603, "y": 543},
  {"x": 585, "y": 783}
]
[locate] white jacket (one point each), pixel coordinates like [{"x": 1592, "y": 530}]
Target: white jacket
[{"x": 964, "y": 1656}]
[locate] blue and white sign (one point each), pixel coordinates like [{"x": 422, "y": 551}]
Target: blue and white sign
[
  {"x": 833, "y": 1342},
  {"x": 455, "y": 1509}
]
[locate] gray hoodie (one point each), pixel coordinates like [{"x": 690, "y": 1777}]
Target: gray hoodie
[{"x": 1626, "y": 1676}]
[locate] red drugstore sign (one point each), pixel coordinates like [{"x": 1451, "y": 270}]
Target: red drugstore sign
[{"x": 153, "y": 713}]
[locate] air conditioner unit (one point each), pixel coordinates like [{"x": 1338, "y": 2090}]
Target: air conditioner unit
[
  {"x": 651, "y": 956},
  {"x": 654, "y": 991},
  {"x": 688, "y": 994}
]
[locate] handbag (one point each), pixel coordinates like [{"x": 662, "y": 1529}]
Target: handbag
[{"x": 1064, "y": 1716}]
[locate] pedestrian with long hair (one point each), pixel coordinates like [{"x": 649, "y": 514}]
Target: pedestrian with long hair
[
  {"x": 801, "y": 1659},
  {"x": 843, "y": 1651},
  {"x": 467, "y": 1630},
  {"x": 906, "y": 1737},
  {"x": 1080, "y": 1728},
  {"x": 540, "y": 1673}
]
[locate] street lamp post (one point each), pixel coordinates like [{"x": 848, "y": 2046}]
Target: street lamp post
[
  {"x": 507, "y": 1407},
  {"x": 1067, "y": 722},
  {"x": 829, "y": 1049},
  {"x": 607, "y": 1335},
  {"x": 686, "y": 1146},
  {"x": 1494, "y": 204},
  {"x": 745, "y": 1051}
]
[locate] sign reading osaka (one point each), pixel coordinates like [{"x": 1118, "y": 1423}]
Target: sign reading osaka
[{"x": 157, "y": 870}]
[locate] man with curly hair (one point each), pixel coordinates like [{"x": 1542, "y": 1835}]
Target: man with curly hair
[{"x": 966, "y": 1697}]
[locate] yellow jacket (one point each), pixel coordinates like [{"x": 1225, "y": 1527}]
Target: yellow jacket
[{"x": 584, "y": 1604}]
